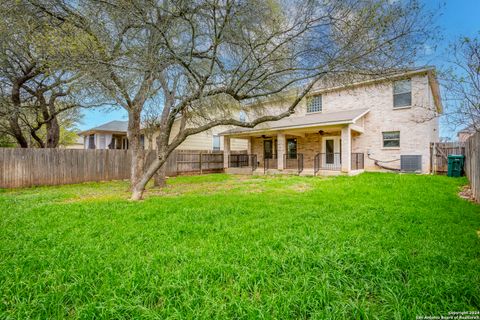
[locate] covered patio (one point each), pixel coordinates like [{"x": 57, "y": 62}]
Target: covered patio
[{"x": 314, "y": 144}]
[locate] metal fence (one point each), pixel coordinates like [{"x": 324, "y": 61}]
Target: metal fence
[
  {"x": 293, "y": 162},
  {"x": 242, "y": 161},
  {"x": 327, "y": 161},
  {"x": 270, "y": 163}
]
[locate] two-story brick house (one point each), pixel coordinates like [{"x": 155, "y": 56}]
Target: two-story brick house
[{"x": 366, "y": 125}]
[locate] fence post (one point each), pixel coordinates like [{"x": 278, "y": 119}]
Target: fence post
[{"x": 27, "y": 167}]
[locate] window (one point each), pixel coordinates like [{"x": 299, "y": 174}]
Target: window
[
  {"x": 314, "y": 104},
  {"x": 242, "y": 117},
  {"x": 91, "y": 141},
  {"x": 216, "y": 142},
  {"x": 291, "y": 148},
  {"x": 402, "y": 93},
  {"x": 391, "y": 139},
  {"x": 124, "y": 143},
  {"x": 329, "y": 151},
  {"x": 267, "y": 149}
]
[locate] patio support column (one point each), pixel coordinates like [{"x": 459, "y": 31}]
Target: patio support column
[
  {"x": 346, "y": 151},
  {"x": 249, "y": 145},
  {"x": 226, "y": 151},
  {"x": 280, "y": 150}
]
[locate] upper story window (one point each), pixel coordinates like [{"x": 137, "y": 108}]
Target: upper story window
[
  {"x": 391, "y": 139},
  {"x": 402, "y": 93},
  {"x": 242, "y": 116},
  {"x": 314, "y": 104},
  {"x": 216, "y": 142}
]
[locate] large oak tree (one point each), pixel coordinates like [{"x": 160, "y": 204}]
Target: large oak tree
[
  {"x": 36, "y": 84},
  {"x": 205, "y": 60}
]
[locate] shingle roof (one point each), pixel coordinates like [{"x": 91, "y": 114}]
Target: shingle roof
[
  {"x": 112, "y": 126},
  {"x": 309, "y": 120}
]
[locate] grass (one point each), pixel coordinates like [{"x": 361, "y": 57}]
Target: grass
[{"x": 374, "y": 246}]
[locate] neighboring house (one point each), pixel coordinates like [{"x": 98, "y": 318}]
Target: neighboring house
[
  {"x": 113, "y": 135},
  {"x": 466, "y": 133},
  {"x": 366, "y": 125}
]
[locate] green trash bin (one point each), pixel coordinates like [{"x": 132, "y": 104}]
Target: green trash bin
[{"x": 455, "y": 165}]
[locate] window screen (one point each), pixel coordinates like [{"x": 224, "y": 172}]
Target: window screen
[
  {"x": 391, "y": 139},
  {"x": 402, "y": 93}
]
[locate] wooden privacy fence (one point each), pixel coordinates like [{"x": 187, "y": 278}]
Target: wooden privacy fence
[
  {"x": 472, "y": 164},
  {"x": 188, "y": 161},
  {"x": 35, "y": 167},
  {"x": 439, "y": 152}
]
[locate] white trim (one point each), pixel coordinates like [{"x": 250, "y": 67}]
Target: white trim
[
  {"x": 356, "y": 127},
  {"x": 336, "y": 149},
  {"x": 301, "y": 126},
  {"x": 359, "y": 116}
]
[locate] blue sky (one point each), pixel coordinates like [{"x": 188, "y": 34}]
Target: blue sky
[{"x": 456, "y": 18}]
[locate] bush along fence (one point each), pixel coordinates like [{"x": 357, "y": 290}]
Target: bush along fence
[
  {"x": 472, "y": 164},
  {"x": 35, "y": 167}
]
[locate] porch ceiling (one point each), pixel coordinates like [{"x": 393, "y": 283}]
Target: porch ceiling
[{"x": 310, "y": 123}]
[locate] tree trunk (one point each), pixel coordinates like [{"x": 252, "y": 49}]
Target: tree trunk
[
  {"x": 53, "y": 133},
  {"x": 53, "y": 128},
  {"x": 160, "y": 161},
  {"x": 136, "y": 150},
  {"x": 39, "y": 141},
  {"x": 159, "y": 180},
  {"x": 13, "y": 120},
  {"x": 139, "y": 188},
  {"x": 150, "y": 142},
  {"x": 17, "y": 132}
]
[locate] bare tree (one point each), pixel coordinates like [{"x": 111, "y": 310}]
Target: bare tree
[
  {"x": 208, "y": 59},
  {"x": 150, "y": 124},
  {"x": 462, "y": 84},
  {"x": 151, "y": 117},
  {"x": 34, "y": 88},
  {"x": 120, "y": 54}
]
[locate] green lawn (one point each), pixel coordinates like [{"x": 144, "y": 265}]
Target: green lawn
[{"x": 383, "y": 246}]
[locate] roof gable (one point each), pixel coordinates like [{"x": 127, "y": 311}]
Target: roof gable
[
  {"x": 309, "y": 120},
  {"x": 112, "y": 126}
]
